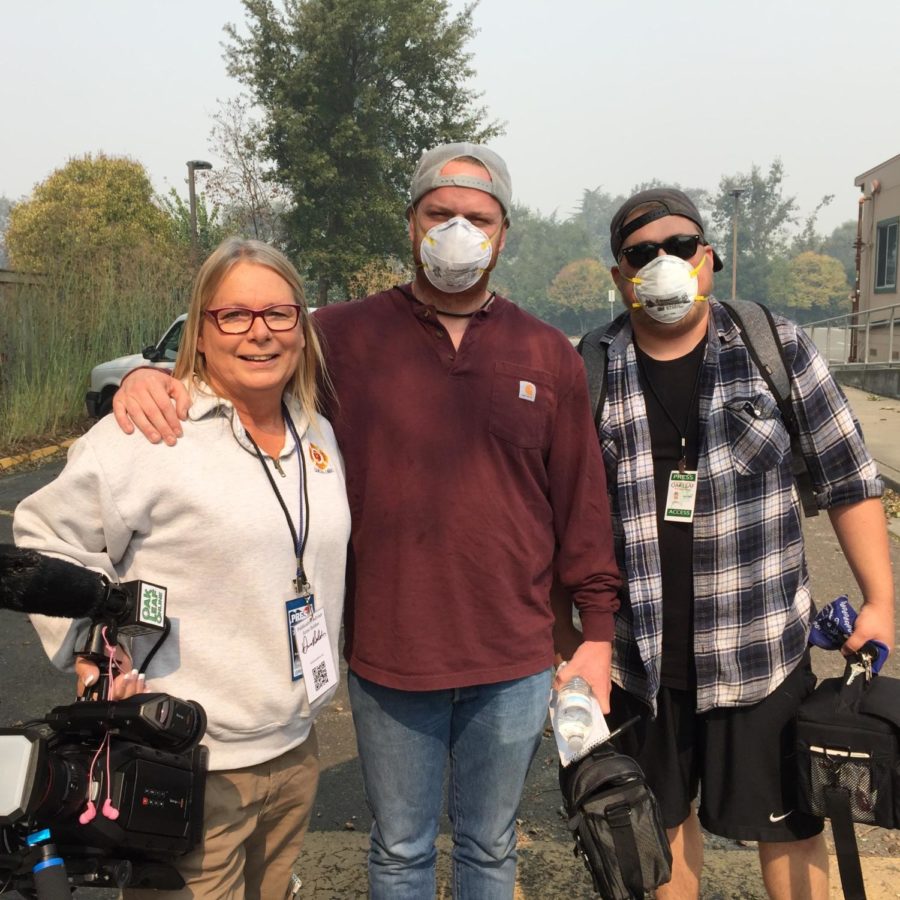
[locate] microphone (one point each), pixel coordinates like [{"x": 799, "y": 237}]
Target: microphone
[{"x": 31, "y": 582}]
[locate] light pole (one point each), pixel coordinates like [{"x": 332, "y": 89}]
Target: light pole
[
  {"x": 736, "y": 193},
  {"x": 193, "y": 165}
]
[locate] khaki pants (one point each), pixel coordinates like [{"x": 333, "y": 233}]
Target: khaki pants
[{"x": 255, "y": 820}]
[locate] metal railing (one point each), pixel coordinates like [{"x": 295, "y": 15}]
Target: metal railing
[{"x": 870, "y": 337}]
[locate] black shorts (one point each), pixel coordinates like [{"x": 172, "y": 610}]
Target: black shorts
[{"x": 740, "y": 759}]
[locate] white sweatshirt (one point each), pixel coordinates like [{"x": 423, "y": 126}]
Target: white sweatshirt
[{"x": 202, "y": 520}]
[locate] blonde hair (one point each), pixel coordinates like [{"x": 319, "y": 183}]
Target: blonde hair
[{"x": 304, "y": 384}]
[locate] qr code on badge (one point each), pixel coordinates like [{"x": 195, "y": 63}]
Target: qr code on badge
[{"x": 320, "y": 676}]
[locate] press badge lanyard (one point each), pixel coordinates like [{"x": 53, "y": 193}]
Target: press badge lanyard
[
  {"x": 311, "y": 657},
  {"x": 300, "y": 583},
  {"x": 682, "y": 490}
]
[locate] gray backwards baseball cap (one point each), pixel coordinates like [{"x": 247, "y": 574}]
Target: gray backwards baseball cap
[
  {"x": 660, "y": 202},
  {"x": 428, "y": 176}
]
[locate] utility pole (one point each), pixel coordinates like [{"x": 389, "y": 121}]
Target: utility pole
[
  {"x": 194, "y": 165},
  {"x": 736, "y": 193}
]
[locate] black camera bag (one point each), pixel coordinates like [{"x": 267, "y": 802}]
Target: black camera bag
[
  {"x": 616, "y": 823},
  {"x": 848, "y": 754}
]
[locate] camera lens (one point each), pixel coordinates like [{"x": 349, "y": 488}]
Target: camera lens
[{"x": 66, "y": 785}]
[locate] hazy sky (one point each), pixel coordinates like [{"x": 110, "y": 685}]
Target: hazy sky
[{"x": 594, "y": 92}]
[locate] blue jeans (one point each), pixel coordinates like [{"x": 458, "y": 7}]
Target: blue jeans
[{"x": 491, "y": 733}]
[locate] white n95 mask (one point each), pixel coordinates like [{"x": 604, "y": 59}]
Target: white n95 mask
[
  {"x": 666, "y": 288},
  {"x": 455, "y": 254}
]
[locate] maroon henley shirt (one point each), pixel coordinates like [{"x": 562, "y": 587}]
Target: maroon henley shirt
[{"x": 468, "y": 472}]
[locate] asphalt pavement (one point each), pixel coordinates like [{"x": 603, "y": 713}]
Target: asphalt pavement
[{"x": 332, "y": 864}]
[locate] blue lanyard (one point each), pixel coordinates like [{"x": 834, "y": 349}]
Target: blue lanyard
[{"x": 300, "y": 582}]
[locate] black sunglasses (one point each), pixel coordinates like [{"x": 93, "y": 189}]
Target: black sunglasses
[{"x": 684, "y": 246}]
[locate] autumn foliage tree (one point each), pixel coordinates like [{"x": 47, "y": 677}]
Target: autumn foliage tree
[
  {"x": 93, "y": 208},
  {"x": 378, "y": 275},
  {"x": 810, "y": 286},
  {"x": 113, "y": 276},
  {"x": 582, "y": 287}
]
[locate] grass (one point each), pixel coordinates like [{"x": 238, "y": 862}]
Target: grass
[{"x": 54, "y": 332}]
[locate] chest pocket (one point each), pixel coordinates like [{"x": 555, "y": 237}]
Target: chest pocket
[
  {"x": 757, "y": 435},
  {"x": 522, "y": 403}
]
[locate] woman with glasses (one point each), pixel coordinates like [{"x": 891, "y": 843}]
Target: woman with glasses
[{"x": 245, "y": 523}]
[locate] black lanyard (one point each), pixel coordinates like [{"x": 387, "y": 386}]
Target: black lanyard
[
  {"x": 300, "y": 584},
  {"x": 682, "y": 432}
]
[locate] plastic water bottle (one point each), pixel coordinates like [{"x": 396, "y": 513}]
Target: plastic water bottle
[{"x": 574, "y": 717}]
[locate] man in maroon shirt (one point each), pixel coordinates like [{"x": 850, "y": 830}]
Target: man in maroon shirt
[{"x": 474, "y": 475}]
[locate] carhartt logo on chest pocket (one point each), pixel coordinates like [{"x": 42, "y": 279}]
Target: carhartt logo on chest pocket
[{"x": 525, "y": 425}]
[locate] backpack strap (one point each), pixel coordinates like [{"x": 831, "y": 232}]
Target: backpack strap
[
  {"x": 627, "y": 855},
  {"x": 767, "y": 352},
  {"x": 594, "y": 352},
  {"x": 837, "y": 808}
]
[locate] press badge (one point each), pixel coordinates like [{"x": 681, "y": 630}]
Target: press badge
[
  {"x": 681, "y": 496},
  {"x": 316, "y": 659},
  {"x": 299, "y": 611}
]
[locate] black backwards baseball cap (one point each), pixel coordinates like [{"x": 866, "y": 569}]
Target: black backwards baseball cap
[
  {"x": 427, "y": 176},
  {"x": 661, "y": 202}
]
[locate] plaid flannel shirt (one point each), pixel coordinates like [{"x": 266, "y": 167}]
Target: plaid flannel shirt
[{"x": 752, "y": 603}]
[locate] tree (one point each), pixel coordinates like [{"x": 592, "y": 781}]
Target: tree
[
  {"x": 763, "y": 217},
  {"x": 582, "y": 287},
  {"x": 351, "y": 93},
  {"x": 93, "y": 207},
  {"x": 809, "y": 238},
  {"x": 598, "y": 207},
  {"x": 252, "y": 204},
  {"x": 537, "y": 247},
  {"x": 378, "y": 275},
  {"x": 595, "y": 212},
  {"x": 210, "y": 231},
  {"x": 841, "y": 244},
  {"x": 810, "y": 286}
]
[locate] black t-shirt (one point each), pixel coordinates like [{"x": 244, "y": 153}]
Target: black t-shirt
[{"x": 672, "y": 399}]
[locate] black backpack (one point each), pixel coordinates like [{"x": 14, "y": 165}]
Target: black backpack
[
  {"x": 616, "y": 823},
  {"x": 765, "y": 349},
  {"x": 848, "y": 757}
]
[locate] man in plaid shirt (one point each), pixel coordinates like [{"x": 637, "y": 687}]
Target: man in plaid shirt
[{"x": 711, "y": 639}]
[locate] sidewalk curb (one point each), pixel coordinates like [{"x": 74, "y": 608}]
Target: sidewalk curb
[{"x": 9, "y": 462}]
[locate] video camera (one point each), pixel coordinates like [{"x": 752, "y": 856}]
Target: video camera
[{"x": 97, "y": 793}]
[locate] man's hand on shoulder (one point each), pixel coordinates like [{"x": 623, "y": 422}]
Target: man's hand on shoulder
[
  {"x": 593, "y": 662},
  {"x": 153, "y": 402}
]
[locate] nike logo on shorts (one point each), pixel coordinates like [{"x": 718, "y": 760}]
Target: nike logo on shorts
[{"x": 774, "y": 818}]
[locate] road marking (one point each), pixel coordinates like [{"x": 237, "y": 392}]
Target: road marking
[
  {"x": 8, "y": 462},
  {"x": 6, "y": 512}
]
